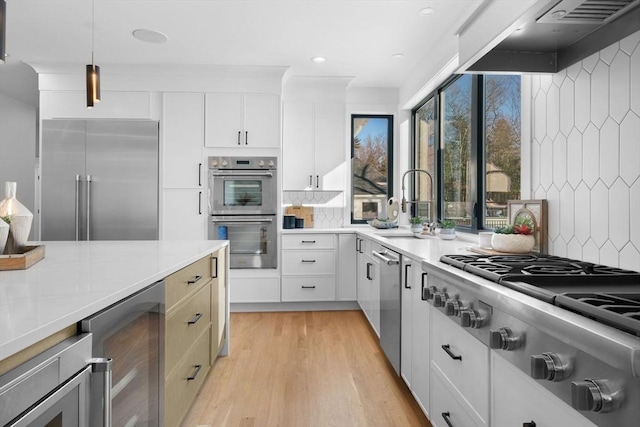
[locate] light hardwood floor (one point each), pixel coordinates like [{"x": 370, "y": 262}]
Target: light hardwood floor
[{"x": 299, "y": 369}]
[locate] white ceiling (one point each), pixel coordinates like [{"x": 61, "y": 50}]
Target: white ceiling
[{"x": 358, "y": 37}]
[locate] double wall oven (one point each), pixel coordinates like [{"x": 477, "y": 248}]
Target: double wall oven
[{"x": 242, "y": 207}]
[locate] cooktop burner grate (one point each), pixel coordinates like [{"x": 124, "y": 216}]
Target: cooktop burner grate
[{"x": 621, "y": 310}]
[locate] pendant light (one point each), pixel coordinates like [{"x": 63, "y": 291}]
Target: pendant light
[
  {"x": 93, "y": 71},
  {"x": 3, "y": 29}
]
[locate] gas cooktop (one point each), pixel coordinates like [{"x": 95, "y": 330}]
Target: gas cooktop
[{"x": 606, "y": 294}]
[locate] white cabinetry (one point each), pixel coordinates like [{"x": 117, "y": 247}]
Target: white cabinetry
[
  {"x": 461, "y": 363},
  {"x": 184, "y": 211},
  {"x": 420, "y": 341},
  {"x": 346, "y": 279},
  {"x": 517, "y": 399},
  {"x": 368, "y": 283},
  {"x": 314, "y": 146},
  {"x": 308, "y": 267},
  {"x": 182, "y": 137},
  {"x": 414, "y": 352},
  {"x": 242, "y": 120}
]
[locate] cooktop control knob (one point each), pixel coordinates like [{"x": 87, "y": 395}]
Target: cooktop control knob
[
  {"x": 428, "y": 293},
  {"x": 271, "y": 163},
  {"x": 594, "y": 395},
  {"x": 440, "y": 298},
  {"x": 453, "y": 307},
  {"x": 224, "y": 163},
  {"x": 549, "y": 366},
  {"x": 261, "y": 163},
  {"x": 471, "y": 318},
  {"x": 504, "y": 339}
]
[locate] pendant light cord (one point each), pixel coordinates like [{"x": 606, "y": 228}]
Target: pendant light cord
[{"x": 93, "y": 17}]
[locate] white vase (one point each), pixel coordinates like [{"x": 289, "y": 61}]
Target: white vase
[
  {"x": 4, "y": 235},
  {"x": 20, "y": 219},
  {"x": 513, "y": 243},
  {"x": 447, "y": 233}
]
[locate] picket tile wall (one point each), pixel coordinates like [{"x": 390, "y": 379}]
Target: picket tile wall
[{"x": 585, "y": 155}]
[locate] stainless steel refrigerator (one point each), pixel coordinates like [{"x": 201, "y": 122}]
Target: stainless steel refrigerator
[{"x": 99, "y": 180}]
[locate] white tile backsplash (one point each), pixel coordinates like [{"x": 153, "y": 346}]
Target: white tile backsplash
[
  {"x": 328, "y": 206},
  {"x": 585, "y": 155}
]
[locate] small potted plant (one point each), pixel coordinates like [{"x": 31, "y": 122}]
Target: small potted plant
[
  {"x": 517, "y": 238},
  {"x": 416, "y": 224},
  {"x": 447, "y": 229}
]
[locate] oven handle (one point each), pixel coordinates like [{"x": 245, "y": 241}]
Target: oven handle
[
  {"x": 236, "y": 174},
  {"x": 242, "y": 220},
  {"x": 104, "y": 365}
]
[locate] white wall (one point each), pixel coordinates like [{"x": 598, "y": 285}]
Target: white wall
[{"x": 585, "y": 155}]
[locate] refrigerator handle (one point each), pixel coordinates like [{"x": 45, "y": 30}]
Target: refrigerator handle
[
  {"x": 88, "y": 207},
  {"x": 77, "y": 207}
]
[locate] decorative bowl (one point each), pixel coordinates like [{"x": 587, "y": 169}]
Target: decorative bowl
[{"x": 513, "y": 243}]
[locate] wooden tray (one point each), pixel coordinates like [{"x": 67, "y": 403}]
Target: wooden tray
[
  {"x": 487, "y": 251},
  {"x": 31, "y": 255}
]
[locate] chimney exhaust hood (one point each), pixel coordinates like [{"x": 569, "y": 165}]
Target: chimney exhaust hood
[{"x": 555, "y": 38}]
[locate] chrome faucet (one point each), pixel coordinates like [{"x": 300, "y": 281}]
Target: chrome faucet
[{"x": 404, "y": 200}]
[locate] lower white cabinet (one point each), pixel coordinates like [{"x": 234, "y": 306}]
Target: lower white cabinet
[
  {"x": 448, "y": 408},
  {"x": 308, "y": 267},
  {"x": 253, "y": 289},
  {"x": 406, "y": 364},
  {"x": 347, "y": 260},
  {"x": 420, "y": 343},
  {"x": 517, "y": 399},
  {"x": 464, "y": 361}
]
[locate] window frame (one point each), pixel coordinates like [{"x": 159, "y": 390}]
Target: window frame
[
  {"x": 477, "y": 151},
  {"x": 390, "y": 169}
]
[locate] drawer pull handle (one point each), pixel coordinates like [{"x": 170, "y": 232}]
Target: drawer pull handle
[
  {"x": 447, "y": 349},
  {"x": 308, "y": 261},
  {"x": 529, "y": 424},
  {"x": 194, "y": 319},
  {"x": 196, "y": 371},
  {"x": 307, "y": 241},
  {"x": 447, "y": 419},
  {"x": 308, "y": 287},
  {"x": 193, "y": 280}
]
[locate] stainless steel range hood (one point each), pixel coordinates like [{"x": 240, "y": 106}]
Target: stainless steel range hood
[{"x": 556, "y": 37}]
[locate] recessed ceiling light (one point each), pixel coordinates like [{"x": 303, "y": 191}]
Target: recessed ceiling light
[
  {"x": 397, "y": 55},
  {"x": 426, "y": 11},
  {"x": 319, "y": 59},
  {"x": 558, "y": 14},
  {"x": 150, "y": 36}
]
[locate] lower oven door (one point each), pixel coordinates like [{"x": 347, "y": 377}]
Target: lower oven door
[{"x": 252, "y": 239}]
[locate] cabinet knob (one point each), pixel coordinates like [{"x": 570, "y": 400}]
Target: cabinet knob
[
  {"x": 594, "y": 395},
  {"x": 504, "y": 339},
  {"x": 549, "y": 366}
]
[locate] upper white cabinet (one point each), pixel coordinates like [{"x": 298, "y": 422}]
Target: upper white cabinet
[
  {"x": 242, "y": 120},
  {"x": 314, "y": 146},
  {"x": 182, "y": 137}
]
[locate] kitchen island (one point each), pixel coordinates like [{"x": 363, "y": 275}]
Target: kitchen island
[{"x": 78, "y": 279}]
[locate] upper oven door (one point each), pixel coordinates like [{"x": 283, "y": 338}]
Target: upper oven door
[{"x": 242, "y": 192}]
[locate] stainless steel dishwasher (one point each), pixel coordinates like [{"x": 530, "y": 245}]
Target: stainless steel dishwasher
[{"x": 390, "y": 294}]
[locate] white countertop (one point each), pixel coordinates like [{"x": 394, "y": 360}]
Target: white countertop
[{"x": 77, "y": 279}]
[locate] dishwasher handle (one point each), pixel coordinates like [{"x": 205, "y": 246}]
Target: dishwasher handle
[{"x": 386, "y": 257}]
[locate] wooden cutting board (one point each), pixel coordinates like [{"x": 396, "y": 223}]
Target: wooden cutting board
[
  {"x": 305, "y": 212},
  {"x": 487, "y": 251}
]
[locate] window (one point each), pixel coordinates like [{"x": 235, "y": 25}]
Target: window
[
  {"x": 371, "y": 166},
  {"x": 468, "y": 132}
]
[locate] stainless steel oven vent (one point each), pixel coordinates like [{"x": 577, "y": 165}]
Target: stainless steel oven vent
[{"x": 594, "y": 12}]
